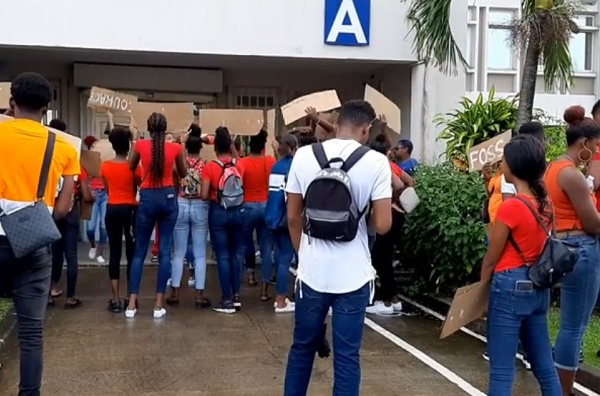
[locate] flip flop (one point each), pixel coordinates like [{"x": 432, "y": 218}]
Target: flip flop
[{"x": 56, "y": 293}]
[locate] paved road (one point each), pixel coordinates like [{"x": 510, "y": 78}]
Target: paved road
[{"x": 93, "y": 352}]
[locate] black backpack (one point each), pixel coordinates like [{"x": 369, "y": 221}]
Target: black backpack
[{"x": 330, "y": 210}]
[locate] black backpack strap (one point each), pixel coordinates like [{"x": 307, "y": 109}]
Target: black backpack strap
[
  {"x": 354, "y": 158},
  {"x": 46, "y": 166},
  {"x": 320, "y": 155},
  {"x": 514, "y": 245}
]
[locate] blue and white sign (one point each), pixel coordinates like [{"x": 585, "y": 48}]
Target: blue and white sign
[{"x": 347, "y": 22}]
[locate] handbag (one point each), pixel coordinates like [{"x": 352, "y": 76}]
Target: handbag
[
  {"x": 557, "y": 259},
  {"x": 32, "y": 227}
]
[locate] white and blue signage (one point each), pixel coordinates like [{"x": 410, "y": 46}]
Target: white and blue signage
[{"x": 347, "y": 22}]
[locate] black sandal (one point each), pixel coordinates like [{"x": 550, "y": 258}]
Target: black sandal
[
  {"x": 56, "y": 293},
  {"x": 204, "y": 303},
  {"x": 76, "y": 303}
]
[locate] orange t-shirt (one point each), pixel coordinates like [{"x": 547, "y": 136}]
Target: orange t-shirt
[
  {"x": 495, "y": 190},
  {"x": 144, "y": 149},
  {"x": 119, "y": 179},
  {"x": 396, "y": 170},
  {"x": 256, "y": 177},
  {"x": 565, "y": 217},
  {"x": 525, "y": 230},
  {"x": 213, "y": 172},
  {"x": 597, "y": 158}
]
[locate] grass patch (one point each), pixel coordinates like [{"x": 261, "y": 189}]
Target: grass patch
[
  {"x": 5, "y": 306},
  {"x": 591, "y": 338}
]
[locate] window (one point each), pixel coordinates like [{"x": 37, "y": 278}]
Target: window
[
  {"x": 472, "y": 45},
  {"x": 53, "y": 107},
  {"x": 499, "y": 52},
  {"x": 255, "y": 98},
  {"x": 582, "y": 44}
]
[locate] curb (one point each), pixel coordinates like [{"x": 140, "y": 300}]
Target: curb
[
  {"x": 587, "y": 376},
  {"x": 7, "y": 325}
]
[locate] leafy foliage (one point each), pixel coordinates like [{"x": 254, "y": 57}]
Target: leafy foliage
[
  {"x": 556, "y": 139},
  {"x": 475, "y": 122},
  {"x": 443, "y": 240}
]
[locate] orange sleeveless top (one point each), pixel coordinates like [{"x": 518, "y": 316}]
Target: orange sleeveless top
[{"x": 564, "y": 214}]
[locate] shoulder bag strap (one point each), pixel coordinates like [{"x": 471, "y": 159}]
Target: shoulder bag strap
[
  {"x": 355, "y": 157},
  {"x": 320, "y": 155},
  {"x": 537, "y": 217},
  {"x": 46, "y": 166}
]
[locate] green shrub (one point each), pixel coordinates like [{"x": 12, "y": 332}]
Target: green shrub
[
  {"x": 475, "y": 122},
  {"x": 556, "y": 139},
  {"x": 443, "y": 240}
]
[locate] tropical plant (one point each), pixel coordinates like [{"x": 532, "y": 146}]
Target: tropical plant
[
  {"x": 542, "y": 34},
  {"x": 475, "y": 122}
]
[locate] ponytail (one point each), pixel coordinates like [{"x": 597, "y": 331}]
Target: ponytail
[
  {"x": 157, "y": 126},
  {"x": 539, "y": 191}
]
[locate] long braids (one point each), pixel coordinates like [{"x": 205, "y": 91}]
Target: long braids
[
  {"x": 538, "y": 189},
  {"x": 157, "y": 126}
]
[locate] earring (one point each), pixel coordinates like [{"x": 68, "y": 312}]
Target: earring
[{"x": 589, "y": 156}]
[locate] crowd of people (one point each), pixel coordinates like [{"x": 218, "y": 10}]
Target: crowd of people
[{"x": 163, "y": 185}]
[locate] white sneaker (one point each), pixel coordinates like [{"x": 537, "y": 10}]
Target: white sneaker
[
  {"x": 289, "y": 308},
  {"x": 100, "y": 260},
  {"x": 191, "y": 282},
  {"x": 92, "y": 253},
  {"x": 287, "y": 301},
  {"x": 130, "y": 313},
  {"x": 397, "y": 307},
  {"x": 379, "y": 308},
  {"x": 159, "y": 313}
]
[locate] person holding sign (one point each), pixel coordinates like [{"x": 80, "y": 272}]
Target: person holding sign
[
  {"x": 517, "y": 310},
  {"x": 158, "y": 204},
  {"x": 577, "y": 222}
]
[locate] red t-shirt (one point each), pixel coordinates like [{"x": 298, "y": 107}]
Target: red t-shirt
[
  {"x": 396, "y": 170},
  {"x": 144, "y": 149},
  {"x": 213, "y": 171},
  {"x": 525, "y": 230},
  {"x": 256, "y": 177},
  {"x": 120, "y": 181}
]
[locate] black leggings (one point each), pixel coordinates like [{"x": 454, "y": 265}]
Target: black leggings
[
  {"x": 382, "y": 256},
  {"x": 119, "y": 221},
  {"x": 65, "y": 249}
]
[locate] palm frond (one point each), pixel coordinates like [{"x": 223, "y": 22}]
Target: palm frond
[{"x": 434, "y": 43}]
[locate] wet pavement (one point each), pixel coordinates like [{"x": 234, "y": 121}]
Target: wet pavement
[{"x": 91, "y": 351}]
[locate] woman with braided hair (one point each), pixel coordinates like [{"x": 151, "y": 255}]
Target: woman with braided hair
[{"x": 158, "y": 205}]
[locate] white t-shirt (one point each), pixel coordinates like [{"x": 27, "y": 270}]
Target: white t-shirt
[
  {"x": 340, "y": 267},
  {"x": 507, "y": 188}
]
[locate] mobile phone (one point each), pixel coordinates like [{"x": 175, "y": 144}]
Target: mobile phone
[{"x": 524, "y": 285}]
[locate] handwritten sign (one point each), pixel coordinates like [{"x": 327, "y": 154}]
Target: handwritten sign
[
  {"x": 238, "y": 121},
  {"x": 321, "y": 101},
  {"x": 4, "y": 95},
  {"x": 90, "y": 160},
  {"x": 105, "y": 99},
  {"x": 384, "y": 106},
  {"x": 469, "y": 303},
  {"x": 271, "y": 120},
  {"x": 179, "y": 115},
  {"x": 74, "y": 141},
  {"x": 489, "y": 151}
]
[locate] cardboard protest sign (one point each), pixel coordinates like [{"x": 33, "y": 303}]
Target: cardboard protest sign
[
  {"x": 321, "y": 101},
  {"x": 104, "y": 148},
  {"x": 90, "y": 160},
  {"x": 74, "y": 141},
  {"x": 489, "y": 151},
  {"x": 384, "y": 106},
  {"x": 469, "y": 303},
  {"x": 4, "y": 95},
  {"x": 238, "y": 121},
  {"x": 271, "y": 120},
  {"x": 179, "y": 115},
  {"x": 105, "y": 99}
]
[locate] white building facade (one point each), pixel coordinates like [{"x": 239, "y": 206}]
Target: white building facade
[
  {"x": 228, "y": 54},
  {"x": 493, "y": 62}
]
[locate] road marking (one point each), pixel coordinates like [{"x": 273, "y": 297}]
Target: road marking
[
  {"x": 578, "y": 387},
  {"x": 423, "y": 357}
]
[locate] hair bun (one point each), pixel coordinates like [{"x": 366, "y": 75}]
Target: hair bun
[
  {"x": 574, "y": 115},
  {"x": 381, "y": 138}
]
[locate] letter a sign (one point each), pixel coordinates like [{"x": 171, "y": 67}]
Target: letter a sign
[{"x": 347, "y": 22}]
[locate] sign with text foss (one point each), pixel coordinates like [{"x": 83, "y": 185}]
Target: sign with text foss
[
  {"x": 347, "y": 22},
  {"x": 489, "y": 151}
]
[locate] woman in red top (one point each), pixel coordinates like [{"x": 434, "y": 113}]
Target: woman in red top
[
  {"x": 257, "y": 167},
  {"x": 158, "y": 204},
  {"x": 221, "y": 184},
  {"x": 518, "y": 310},
  {"x": 121, "y": 187}
]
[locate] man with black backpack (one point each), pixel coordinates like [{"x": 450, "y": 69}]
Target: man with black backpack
[{"x": 331, "y": 186}]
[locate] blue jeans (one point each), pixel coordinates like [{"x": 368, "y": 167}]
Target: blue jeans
[
  {"x": 27, "y": 280},
  {"x": 157, "y": 206},
  {"x": 255, "y": 220},
  {"x": 65, "y": 249},
  {"x": 98, "y": 216},
  {"x": 283, "y": 256},
  {"x": 226, "y": 235},
  {"x": 192, "y": 219},
  {"x": 347, "y": 330},
  {"x": 189, "y": 254},
  {"x": 519, "y": 314},
  {"x": 578, "y": 294}
]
